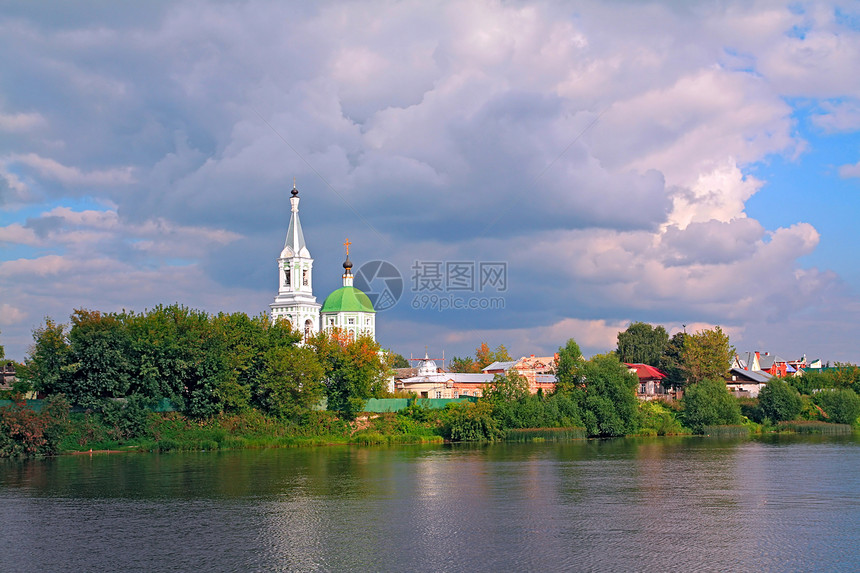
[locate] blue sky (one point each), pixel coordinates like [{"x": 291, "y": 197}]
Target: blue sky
[{"x": 677, "y": 164}]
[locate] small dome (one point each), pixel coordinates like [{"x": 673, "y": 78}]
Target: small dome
[
  {"x": 294, "y": 192},
  {"x": 347, "y": 264},
  {"x": 427, "y": 367}
]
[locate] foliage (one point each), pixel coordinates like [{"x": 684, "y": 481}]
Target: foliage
[
  {"x": 709, "y": 403},
  {"x": 707, "y": 355},
  {"x": 49, "y": 356},
  {"x": 291, "y": 382},
  {"x": 26, "y": 433},
  {"x": 466, "y": 364},
  {"x": 507, "y": 387},
  {"x": 397, "y": 360},
  {"x": 570, "y": 361},
  {"x": 467, "y": 422},
  {"x": 672, "y": 362},
  {"x": 484, "y": 356},
  {"x": 656, "y": 416},
  {"x": 778, "y": 401},
  {"x": 126, "y": 418},
  {"x": 354, "y": 370},
  {"x": 840, "y": 406},
  {"x": 642, "y": 343},
  {"x": 840, "y": 376},
  {"x": 609, "y": 405}
]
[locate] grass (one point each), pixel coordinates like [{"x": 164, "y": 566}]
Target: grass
[
  {"x": 815, "y": 427},
  {"x": 738, "y": 431},
  {"x": 545, "y": 434}
]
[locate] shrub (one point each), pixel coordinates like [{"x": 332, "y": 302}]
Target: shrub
[
  {"x": 24, "y": 432},
  {"x": 779, "y": 402},
  {"x": 468, "y": 422},
  {"x": 709, "y": 403},
  {"x": 840, "y": 406}
]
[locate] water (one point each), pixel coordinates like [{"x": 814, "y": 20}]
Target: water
[{"x": 665, "y": 504}]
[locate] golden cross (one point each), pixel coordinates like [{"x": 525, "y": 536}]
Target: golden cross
[{"x": 347, "y": 244}]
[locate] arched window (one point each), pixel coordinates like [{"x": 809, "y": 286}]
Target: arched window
[
  {"x": 309, "y": 329},
  {"x": 352, "y": 335},
  {"x": 287, "y": 276},
  {"x": 305, "y": 277}
]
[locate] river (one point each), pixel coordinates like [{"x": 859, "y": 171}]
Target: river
[{"x": 784, "y": 503}]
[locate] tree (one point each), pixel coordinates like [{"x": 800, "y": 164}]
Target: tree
[
  {"x": 642, "y": 343},
  {"x": 507, "y": 387},
  {"x": 484, "y": 356},
  {"x": 709, "y": 403},
  {"x": 841, "y": 406},
  {"x": 397, "y": 360},
  {"x": 570, "y": 360},
  {"x": 672, "y": 362},
  {"x": 707, "y": 354},
  {"x": 779, "y": 402},
  {"x": 466, "y": 364},
  {"x": 291, "y": 382},
  {"x": 45, "y": 368},
  {"x": 354, "y": 370},
  {"x": 609, "y": 404}
]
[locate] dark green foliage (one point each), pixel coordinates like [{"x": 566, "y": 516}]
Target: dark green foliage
[
  {"x": 609, "y": 405},
  {"x": 291, "y": 382},
  {"x": 126, "y": 418},
  {"x": 397, "y": 360},
  {"x": 672, "y": 362},
  {"x": 709, "y": 403},
  {"x": 778, "y": 401},
  {"x": 467, "y": 422},
  {"x": 466, "y": 364},
  {"x": 840, "y": 406},
  {"x": 839, "y": 376},
  {"x": 570, "y": 360},
  {"x": 46, "y": 369},
  {"x": 642, "y": 343},
  {"x": 354, "y": 371}
]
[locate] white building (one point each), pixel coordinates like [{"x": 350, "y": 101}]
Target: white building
[{"x": 347, "y": 308}]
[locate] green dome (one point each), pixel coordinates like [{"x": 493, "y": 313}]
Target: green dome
[{"x": 347, "y": 299}]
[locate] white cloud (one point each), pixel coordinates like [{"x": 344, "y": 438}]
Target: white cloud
[
  {"x": 55, "y": 170},
  {"x": 846, "y": 171}
]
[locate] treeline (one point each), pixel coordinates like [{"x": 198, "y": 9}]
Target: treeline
[{"x": 204, "y": 364}]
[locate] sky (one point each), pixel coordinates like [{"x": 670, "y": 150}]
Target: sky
[{"x": 683, "y": 164}]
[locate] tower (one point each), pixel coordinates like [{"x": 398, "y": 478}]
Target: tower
[
  {"x": 348, "y": 308},
  {"x": 295, "y": 301}
]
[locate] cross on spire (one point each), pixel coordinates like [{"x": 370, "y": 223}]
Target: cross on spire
[{"x": 347, "y": 244}]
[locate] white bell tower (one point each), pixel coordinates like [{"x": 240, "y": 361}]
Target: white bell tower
[{"x": 295, "y": 301}]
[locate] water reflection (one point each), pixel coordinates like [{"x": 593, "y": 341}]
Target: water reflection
[{"x": 777, "y": 504}]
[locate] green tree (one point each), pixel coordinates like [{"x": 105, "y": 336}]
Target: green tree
[
  {"x": 354, "y": 371},
  {"x": 466, "y": 364},
  {"x": 672, "y": 361},
  {"x": 778, "y": 401},
  {"x": 292, "y": 381},
  {"x": 841, "y": 406},
  {"x": 608, "y": 396},
  {"x": 709, "y": 403},
  {"x": 707, "y": 354},
  {"x": 642, "y": 343},
  {"x": 46, "y": 367},
  {"x": 507, "y": 387},
  {"x": 567, "y": 369},
  {"x": 397, "y": 360}
]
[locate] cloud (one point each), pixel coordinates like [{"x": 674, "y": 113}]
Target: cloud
[
  {"x": 17, "y": 122},
  {"x": 72, "y": 175},
  {"x": 847, "y": 171}
]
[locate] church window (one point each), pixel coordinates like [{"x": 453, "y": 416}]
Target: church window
[
  {"x": 308, "y": 328},
  {"x": 305, "y": 277},
  {"x": 350, "y": 321},
  {"x": 287, "y": 276},
  {"x": 352, "y": 335}
]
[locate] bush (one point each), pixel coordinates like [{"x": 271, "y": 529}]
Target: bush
[
  {"x": 840, "y": 406},
  {"x": 709, "y": 403},
  {"x": 26, "y": 433},
  {"x": 468, "y": 422},
  {"x": 653, "y": 418},
  {"x": 779, "y": 402}
]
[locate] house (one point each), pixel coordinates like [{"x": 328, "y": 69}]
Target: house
[
  {"x": 747, "y": 383},
  {"x": 430, "y": 381},
  {"x": 539, "y": 371},
  {"x": 651, "y": 382},
  {"x": 766, "y": 362}
]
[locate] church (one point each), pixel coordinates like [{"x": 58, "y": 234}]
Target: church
[{"x": 347, "y": 308}]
